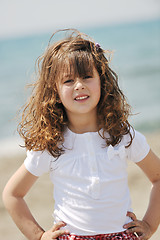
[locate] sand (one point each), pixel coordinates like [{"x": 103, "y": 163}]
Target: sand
[{"x": 40, "y": 199}]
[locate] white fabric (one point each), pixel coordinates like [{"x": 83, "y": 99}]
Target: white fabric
[{"x": 90, "y": 181}]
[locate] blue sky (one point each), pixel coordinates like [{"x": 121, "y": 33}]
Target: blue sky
[{"x": 23, "y": 17}]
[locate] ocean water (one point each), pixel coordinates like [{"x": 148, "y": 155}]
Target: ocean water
[{"x": 136, "y": 60}]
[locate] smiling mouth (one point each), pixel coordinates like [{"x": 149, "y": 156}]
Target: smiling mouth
[{"x": 81, "y": 98}]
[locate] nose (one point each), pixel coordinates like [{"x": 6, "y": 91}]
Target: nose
[{"x": 79, "y": 85}]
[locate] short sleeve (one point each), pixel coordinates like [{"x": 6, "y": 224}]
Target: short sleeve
[
  {"x": 37, "y": 162},
  {"x": 139, "y": 148}
]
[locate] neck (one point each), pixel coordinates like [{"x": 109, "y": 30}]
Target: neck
[{"x": 83, "y": 123}]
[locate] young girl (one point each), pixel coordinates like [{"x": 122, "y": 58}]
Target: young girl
[{"x": 75, "y": 127}]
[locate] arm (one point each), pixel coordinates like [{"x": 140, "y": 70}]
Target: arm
[
  {"x": 13, "y": 194},
  {"x": 151, "y": 167}
]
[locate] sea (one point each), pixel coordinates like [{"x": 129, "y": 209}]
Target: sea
[{"x": 135, "y": 57}]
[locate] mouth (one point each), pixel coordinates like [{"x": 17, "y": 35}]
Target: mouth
[{"x": 80, "y": 98}]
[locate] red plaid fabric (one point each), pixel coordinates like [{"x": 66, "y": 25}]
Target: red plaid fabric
[{"x": 110, "y": 236}]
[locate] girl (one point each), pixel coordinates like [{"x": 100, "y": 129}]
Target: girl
[{"x": 75, "y": 127}]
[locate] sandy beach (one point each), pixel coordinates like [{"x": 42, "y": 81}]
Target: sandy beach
[{"x": 40, "y": 198}]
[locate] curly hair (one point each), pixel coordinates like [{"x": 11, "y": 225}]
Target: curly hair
[{"x": 44, "y": 118}]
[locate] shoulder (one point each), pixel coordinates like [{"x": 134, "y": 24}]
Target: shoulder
[
  {"x": 38, "y": 162},
  {"x": 139, "y": 147}
]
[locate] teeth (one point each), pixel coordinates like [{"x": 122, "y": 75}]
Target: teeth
[{"x": 80, "y": 98}]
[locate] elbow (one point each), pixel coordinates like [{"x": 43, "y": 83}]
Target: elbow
[{"x": 6, "y": 196}]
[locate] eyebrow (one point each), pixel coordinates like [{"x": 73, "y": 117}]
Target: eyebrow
[{"x": 67, "y": 76}]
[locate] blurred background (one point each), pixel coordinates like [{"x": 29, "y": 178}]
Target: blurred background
[{"x": 131, "y": 29}]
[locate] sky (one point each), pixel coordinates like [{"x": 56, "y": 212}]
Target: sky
[{"x": 23, "y": 17}]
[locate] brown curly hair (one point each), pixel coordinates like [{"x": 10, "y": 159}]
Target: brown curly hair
[{"x": 44, "y": 118}]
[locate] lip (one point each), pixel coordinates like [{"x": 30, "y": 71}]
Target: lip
[{"x": 81, "y": 97}]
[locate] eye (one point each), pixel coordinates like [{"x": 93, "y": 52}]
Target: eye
[
  {"x": 88, "y": 76},
  {"x": 68, "y": 81}
]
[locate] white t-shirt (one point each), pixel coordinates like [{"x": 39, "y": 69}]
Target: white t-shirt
[{"x": 90, "y": 181}]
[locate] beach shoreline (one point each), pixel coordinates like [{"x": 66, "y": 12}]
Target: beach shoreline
[{"x": 40, "y": 198}]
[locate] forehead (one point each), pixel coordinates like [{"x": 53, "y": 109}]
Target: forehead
[{"x": 76, "y": 64}]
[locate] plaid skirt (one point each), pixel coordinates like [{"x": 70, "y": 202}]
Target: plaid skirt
[{"x": 111, "y": 236}]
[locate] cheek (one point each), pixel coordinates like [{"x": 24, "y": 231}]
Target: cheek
[
  {"x": 97, "y": 90},
  {"x": 65, "y": 95}
]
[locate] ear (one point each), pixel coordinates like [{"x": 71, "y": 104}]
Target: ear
[{"x": 58, "y": 100}]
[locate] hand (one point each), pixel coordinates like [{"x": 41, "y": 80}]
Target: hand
[
  {"x": 54, "y": 232},
  {"x": 142, "y": 228}
]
